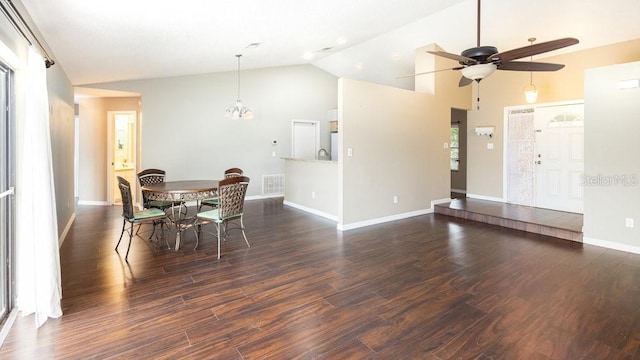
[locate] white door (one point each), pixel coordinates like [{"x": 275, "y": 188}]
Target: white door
[
  {"x": 559, "y": 157},
  {"x": 305, "y": 139}
]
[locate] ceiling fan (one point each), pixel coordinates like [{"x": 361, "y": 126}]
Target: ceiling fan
[{"x": 481, "y": 61}]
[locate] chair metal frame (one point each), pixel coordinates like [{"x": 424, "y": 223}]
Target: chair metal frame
[
  {"x": 213, "y": 202},
  {"x": 129, "y": 215},
  {"x": 229, "y": 213}
]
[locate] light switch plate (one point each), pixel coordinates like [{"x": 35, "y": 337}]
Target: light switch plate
[{"x": 490, "y": 146}]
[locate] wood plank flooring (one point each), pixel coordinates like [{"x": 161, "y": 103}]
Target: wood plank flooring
[
  {"x": 560, "y": 224},
  {"x": 429, "y": 287}
]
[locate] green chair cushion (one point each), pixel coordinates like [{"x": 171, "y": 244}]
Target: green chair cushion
[
  {"x": 148, "y": 213},
  {"x": 214, "y": 215},
  {"x": 210, "y": 202}
]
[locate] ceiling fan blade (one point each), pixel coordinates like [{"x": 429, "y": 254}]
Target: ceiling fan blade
[
  {"x": 529, "y": 66},
  {"x": 464, "y": 81},
  {"x": 428, "y": 72},
  {"x": 462, "y": 59},
  {"x": 533, "y": 49}
]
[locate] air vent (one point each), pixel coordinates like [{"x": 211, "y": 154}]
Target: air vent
[{"x": 273, "y": 184}]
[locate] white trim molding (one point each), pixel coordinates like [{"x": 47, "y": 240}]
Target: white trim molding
[
  {"x": 488, "y": 198},
  {"x": 66, "y": 230},
  {"x": 92, "y": 202},
  {"x": 356, "y": 225},
  {"x": 310, "y": 210},
  {"x": 612, "y": 245}
]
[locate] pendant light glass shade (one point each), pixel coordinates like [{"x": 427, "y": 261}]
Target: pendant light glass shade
[
  {"x": 530, "y": 91},
  {"x": 238, "y": 111}
]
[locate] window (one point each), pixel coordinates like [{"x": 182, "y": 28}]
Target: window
[
  {"x": 7, "y": 205},
  {"x": 454, "y": 147}
]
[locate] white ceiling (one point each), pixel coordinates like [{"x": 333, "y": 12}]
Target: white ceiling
[{"x": 104, "y": 41}]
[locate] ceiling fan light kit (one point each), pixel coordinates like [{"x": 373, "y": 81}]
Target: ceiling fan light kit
[
  {"x": 238, "y": 111},
  {"x": 479, "y": 71},
  {"x": 481, "y": 61}
]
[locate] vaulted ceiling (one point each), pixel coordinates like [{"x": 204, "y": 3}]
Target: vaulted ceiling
[{"x": 371, "y": 40}]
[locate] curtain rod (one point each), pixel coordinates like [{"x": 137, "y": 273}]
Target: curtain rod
[{"x": 19, "y": 25}]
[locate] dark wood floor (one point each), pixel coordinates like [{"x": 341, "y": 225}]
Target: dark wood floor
[
  {"x": 560, "y": 224},
  {"x": 429, "y": 287}
]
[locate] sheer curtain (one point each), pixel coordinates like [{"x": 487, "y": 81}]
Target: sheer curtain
[{"x": 38, "y": 282}]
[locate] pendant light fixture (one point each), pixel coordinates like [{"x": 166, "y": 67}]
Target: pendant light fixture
[
  {"x": 238, "y": 111},
  {"x": 530, "y": 91}
]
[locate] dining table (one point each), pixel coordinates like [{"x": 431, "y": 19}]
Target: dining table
[{"x": 178, "y": 192}]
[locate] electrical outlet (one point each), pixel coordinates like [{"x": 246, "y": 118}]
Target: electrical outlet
[
  {"x": 349, "y": 152},
  {"x": 395, "y": 199},
  {"x": 313, "y": 194},
  {"x": 446, "y": 145},
  {"x": 628, "y": 222},
  {"x": 273, "y": 153}
]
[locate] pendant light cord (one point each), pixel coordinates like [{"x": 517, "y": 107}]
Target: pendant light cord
[{"x": 238, "y": 56}]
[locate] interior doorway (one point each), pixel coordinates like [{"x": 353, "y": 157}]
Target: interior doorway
[
  {"x": 121, "y": 152},
  {"x": 305, "y": 139},
  {"x": 458, "y": 153}
]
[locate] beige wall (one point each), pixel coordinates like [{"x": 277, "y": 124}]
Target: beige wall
[
  {"x": 313, "y": 186},
  {"x": 92, "y": 176},
  {"x": 504, "y": 88},
  {"x": 612, "y": 189},
  {"x": 397, "y": 139}
]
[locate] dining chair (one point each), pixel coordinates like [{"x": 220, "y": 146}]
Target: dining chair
[
  {"x": 229, "y": 213},
  {"x": 150, "y": 177},
  {"x": 132, "y": 217},
  {"x": 213, "y": 202}
]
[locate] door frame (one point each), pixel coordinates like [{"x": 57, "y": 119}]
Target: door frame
[
  {"x": 111, "y": 123},
  {"x": 505, "y": 138}
]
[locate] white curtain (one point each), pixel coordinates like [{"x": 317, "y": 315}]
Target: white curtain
[{"x": 39, "y": 288}]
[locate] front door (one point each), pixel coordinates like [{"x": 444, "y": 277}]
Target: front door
[{"x": 559, "y": 157}]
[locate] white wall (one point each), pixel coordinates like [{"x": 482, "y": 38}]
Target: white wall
[
  {"x": 184, "y": 130},
  {"x": 612, "y": 169}
]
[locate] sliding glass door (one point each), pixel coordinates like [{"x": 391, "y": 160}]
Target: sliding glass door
[{"x": 7, "y": 203}]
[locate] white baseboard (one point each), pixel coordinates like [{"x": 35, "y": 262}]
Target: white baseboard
[
  {"x": 92, "y": 203},
  {"x": 312, "y": 211},
  {"x": 488, "y": 198},
  {"x": 345, "y": 227},
  {"x": 66, "y": 229},
  {"x": 459, "y": 191},
  {"x": 4, "y": 330},
  {"x": 439, "y": 201},
  {"x": 260, "y": 197},
  {"x": 611, "y": 245}
]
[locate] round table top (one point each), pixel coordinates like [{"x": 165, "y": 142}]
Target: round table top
[{"x": 182, "y": 186}]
